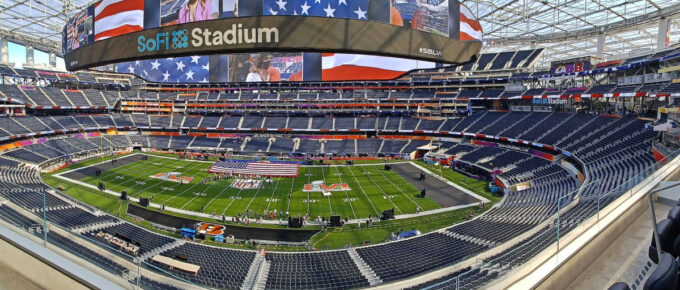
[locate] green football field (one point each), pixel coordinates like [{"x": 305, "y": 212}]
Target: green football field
[{"x": 372, "y": 190}]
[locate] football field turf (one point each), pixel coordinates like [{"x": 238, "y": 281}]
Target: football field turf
[{"x": 372, "y": 190}]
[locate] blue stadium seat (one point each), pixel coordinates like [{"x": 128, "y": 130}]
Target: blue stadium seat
[{"x": 665, "y": 276}]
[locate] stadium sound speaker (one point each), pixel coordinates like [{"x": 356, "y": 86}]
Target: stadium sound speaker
[
  {"x": 335, "y": 221},
  {"x": 387, "y": 214},
  {"x": 388, "y": 167},
  {"x": 294, "y": 222},
  {"x": 423, "y": 193},
  {"x": 144, "y": 202},
  {"x": 123, "y": 195}
]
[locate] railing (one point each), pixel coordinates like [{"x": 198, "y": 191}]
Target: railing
[
  {"x": 566, "y": 219},
  {"x": 130, "y": 275}
]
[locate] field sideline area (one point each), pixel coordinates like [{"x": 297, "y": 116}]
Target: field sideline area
[
  {"x": 337, "y": 238},
  {"x": 372, "y": 189}
]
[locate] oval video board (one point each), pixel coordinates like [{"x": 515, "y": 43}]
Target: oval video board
[{"x": 114, "y": 31}]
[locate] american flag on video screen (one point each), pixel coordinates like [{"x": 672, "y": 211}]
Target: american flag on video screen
[
  {"x": 188, "y": 69},
  {"x": 256, "y": 168},
  {"x": 470, "y": 29},
  {"x": 117, "y": 17},
  {"x": 352, "y": 9}
]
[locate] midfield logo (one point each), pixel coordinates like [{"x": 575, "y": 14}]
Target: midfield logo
[
  {"x": 172, "y": 176},
  {"x": 319, "y": 186}
]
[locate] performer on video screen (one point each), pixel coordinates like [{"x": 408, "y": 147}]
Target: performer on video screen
[
  {"x": 395, "y": 15},
  {"x": 229, "y": 9},
  {"x": 263, "y": 71},
  {"x": 195, "y": 10}
]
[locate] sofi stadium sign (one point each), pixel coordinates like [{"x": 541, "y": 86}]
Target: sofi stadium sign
[
  {"x": 273, "y": 34},
  {"x": 179, "y": 39}
]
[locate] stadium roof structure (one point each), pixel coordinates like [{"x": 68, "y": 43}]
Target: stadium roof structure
[
  {"x": 38, "y": 22},
  {"x": 569, "y": 28}
]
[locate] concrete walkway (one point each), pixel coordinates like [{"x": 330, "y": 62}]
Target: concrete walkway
[{"x": 625, "y": 257}]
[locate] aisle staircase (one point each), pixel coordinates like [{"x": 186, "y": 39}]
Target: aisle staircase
[{"x": 365, "y": 269}]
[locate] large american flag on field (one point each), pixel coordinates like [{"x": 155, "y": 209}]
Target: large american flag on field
[
  {"x": 186, "y": 69},
  {"x": 352, "y": 9},
  {"x": 263, "y": 169},
  {"x": 117, "y": 17}
]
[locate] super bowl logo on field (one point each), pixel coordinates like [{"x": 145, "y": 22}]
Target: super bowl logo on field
[
  {"x": 172, "y": 176},
  {"x": 319, "y": 186}
]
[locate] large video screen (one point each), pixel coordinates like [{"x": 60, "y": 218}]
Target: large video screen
[
  {"x": 424, "y": 15},
  {"x": 78, "y": 31},
  {"x": 343, "y": 67},
  {"x": 271, "y": 67},
  {"x": 189, "y": 69},
  {"x": 117, "y": 17},
  {"x": 350, "y": 9},
  {"x": 265, "y": 67},
  {"x": 186, "y": 11},
  {"x": 574, "y": 65},
  {"x": 243, "y": 67},
  {"x": 236, "y": 33}
]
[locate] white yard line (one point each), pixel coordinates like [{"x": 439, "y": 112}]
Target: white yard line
[
  {"x": 323, "y": 175},
  {"x": 204, "y": 215},
  {"x": 273, "y": 192},
  {"x": 173, "y": 187},
  {"x": 290, "y": 194},
  {"x": 463, "y": 189},
  {"x": 166, "y": 157},
  {"x": 254, "y": 196},
  {"x": 142, "y": 171},
  {"x": 364, "y": 192},
  {"x": 196, "y": 196},
  {"x": 232, "y": 201},
  {"x": 381, "y": 190},
  {"x": 399, "y": 188},
  {"x": 366, "y": 164},
  {"x": 108, "y": 174},
  {"x": 349, "y": 200},
  {"x": 76, "y": 169},
  {"x": 273, "y": 222},
  {"x": 218, "y": 195}
]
